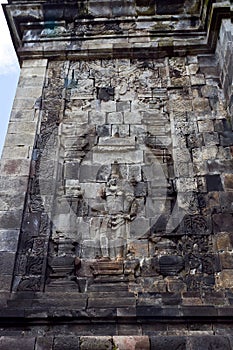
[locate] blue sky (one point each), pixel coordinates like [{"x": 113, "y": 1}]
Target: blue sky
[{"x": 9, "y": 74}]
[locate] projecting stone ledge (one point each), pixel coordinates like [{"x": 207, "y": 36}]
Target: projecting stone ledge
[
  {"x": 126, "y": 342},
  {"x": 118, "y": 28},
  {"x": 114, "y": 307}
]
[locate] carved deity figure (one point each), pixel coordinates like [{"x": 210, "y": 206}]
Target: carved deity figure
[{"x": 120, "y": 208}]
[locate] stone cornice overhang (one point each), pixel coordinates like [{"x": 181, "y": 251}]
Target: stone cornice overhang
[
  {"x": 38, "y": 30},
  {"x": 21, "y": 317}
]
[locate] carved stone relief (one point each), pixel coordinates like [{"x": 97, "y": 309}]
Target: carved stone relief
[{"x": 117, "y": 193}]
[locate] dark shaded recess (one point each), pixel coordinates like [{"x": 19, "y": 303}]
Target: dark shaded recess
[
  {"x": 64, "y": 11},
  {"x": 169, "y": 7},
  {"x": 170, "y": 265},
  {"x": 105, "y": 94},
  {"x": 146, "y": 3},
  {"x": 226, "y": 123},
  {"x": 231, "y": 106},
  {"x": 214, "y": 183},
  {"x": 160, "y": 224}
]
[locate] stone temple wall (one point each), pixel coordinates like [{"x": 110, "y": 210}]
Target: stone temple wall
[{"x": 116, "y": 184}]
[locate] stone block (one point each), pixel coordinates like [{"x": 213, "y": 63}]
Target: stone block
[
  {"x": 5, "y": 282},
  {"x": 15, "y": 166},
  {"x": 139, "y": 227},
  {"x": 228, "y": 182},
  {"x": 12, "y": 185},
  {"x": 105, "y": 93},
  {"x": 92, "y": 173},
  {"x": 141, "y": 189},
  {"x": 185, "y": 184},
  {"x": 138, "y": 248},
  {"x": 19, "y": 343},
  {"x": 33, "y": 71},
  {"x": 209, "y": 152},
  {"x": 131, "y": 342},
  {"x": 10, "y": 220},
  {"x": 202, "y": 105},
  {"x": 169, "y": 7},
  {"x": 226, "y": 138},
  {"x": 214, "y": 183},
  {"x": 168, "y": 342},
  {"x": 175, "y": 285},
  {"x": 109, "y": 106},
  {"x": 126, "y": 312},
  {"x": 27, "y": 103},
  {"x": 8, "y": 240},
  {"x": 91, "y": 190},
  {"x": 111, "y": 302},
  {"x": 132, "y": 117},
  {"x": 44, "y": 343},
  {"x": 123, "y": 106},
  {"x": 226, "y": 260},
  {"x": 66, "y": 343},
  {"x": 219, "y": 165},
  {"x": 96, "y": 343},
  {"x": 157, "y": 311},
  {"x": 31, "y": 223},
  {"x": 34, "y": 63},
  {"x": 126, "y": 329},
  {"x": 198, "y": 311},
  {"x": 103, "y": 130},
  {"x": 171, "y": 265},
  {"x": 17, "y": 152},
  {"x": 123, "y": 8},
  {"x": 222, "y": 222},
  {"x": 198, "y": 79},
  {"x": 71, "y": 170},
  {"x": 223, "y": 241},
  {"x": 11, "y": 201},
  {"x": 15, "y": 127},
  {"x": 30, "y": 80},
  {"x": 149, "y": 267},
  {"x": 211, "y": 138},
  {"x": 209, "y": 342},
  {"x": 115, "y": 118},
  {"x": 224, "y": 279},
  {"x": 100, "y": 9},
  {"x": 13, "y": 140},
  {"x": 98, "y": 118},
  {"x": 120, "y": 130},
  {"x": 123, "y": 156}
]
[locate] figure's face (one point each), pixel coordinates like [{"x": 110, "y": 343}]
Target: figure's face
[{"x": 112, "y": 182}]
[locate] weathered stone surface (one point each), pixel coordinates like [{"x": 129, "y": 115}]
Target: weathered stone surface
[
  {"x": 226, "y": 260},
  {"x": 223, "y": 241},
  {"x": 44, "y": 343},
  {"x": 66, "y": 343},
  {"x": 7, "y": 262},
  {"x": 168, "y": 342},
  {"x": 26, "y": 343},
  {"x": 131, "y": 342},
  {"x": 95, "y": 343},
  {"x": 203, "y": 342},
  {"x": 8, "y": 240},
  {"x": 224, "y": 279},
  {"x": 222, "y": 222},
  {"x": 228, "y": 182},
  {"x": 134, "y": 144}
]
